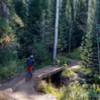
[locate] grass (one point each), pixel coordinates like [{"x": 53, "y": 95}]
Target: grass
[
  {"x": 10, "y": 70},
  {"x": 63, "y": 60},
  {"x": 44, "y": 64},
  {"x": 68, "y": 73},
  {"x": 67, "y": 57},
  {"x": 75, "y": 54},
  {"x": 85, "y": 70},
  {"x": 74, "y": 91},
  {"x": 48, "y": 88},
  {"x": 7, "y": 71}
]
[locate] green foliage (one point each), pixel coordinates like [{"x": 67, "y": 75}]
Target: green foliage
[
  {"x": 8, "y": 71},
  {"x": 75, "y": 92},
  {"x": 13, "y": 68},
  {"x": 85, "y": 70},
  {"x": 35, "y": 34},
  {"x": 89, "y": 51},
  {"x": 32, "y": 23},
  {"x": 64, "y": 25},
  {"x": 41, "y": 52},
  {"x": 96, "y": 79},
  {"x": 7, "y": 54},
  {"x": 73, "y": 18},
  {"x": 50, "y": 89},
  {"x": 75, "y": 54},
  {"x": 89, "y": 46},
  {"x": 62, "y": 60},
  {"x": 89, "y": 74},
  {"x": 68, "y": 73},
  {"x": 94, "y": 94},
  {"x": 46, "y": 63},
  {"x": 21, "y": 9},
  {"x": 3, "y": 24}
]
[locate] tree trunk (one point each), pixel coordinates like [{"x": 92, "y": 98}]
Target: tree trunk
[
  {"x": 56, "y": 31},
  {"x": 71, "y": 24},
  {"x": 98, "y": 30},
  {"x": 4, "y": 11}
]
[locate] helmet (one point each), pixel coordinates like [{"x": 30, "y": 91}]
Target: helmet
[{"x": 31, "y": 56}]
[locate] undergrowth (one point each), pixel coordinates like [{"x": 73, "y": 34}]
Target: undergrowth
[{"x": 74, "y": 91}]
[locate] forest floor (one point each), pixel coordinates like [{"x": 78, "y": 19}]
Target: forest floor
[{"x": 19, "y": 89}]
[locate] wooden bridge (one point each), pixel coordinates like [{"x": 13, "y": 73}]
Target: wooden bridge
[
  {"x": 47, "y": 72},
  {"x": 38, "y": 75}
]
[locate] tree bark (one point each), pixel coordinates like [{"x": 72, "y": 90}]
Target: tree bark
[{"x": 56, "y": 31}]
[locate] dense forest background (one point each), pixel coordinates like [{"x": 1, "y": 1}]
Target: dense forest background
[{"x": 27, "y": 26}]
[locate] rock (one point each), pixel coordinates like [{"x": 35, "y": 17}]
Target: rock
[
  {"x": 5, "y": 96},
  {"x": 9, "y": 90}
]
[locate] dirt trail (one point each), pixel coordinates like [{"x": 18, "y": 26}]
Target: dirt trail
[{"x": 19, "y": 89}]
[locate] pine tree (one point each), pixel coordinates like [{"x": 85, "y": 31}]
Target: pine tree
[
  {"x": 80, "y": 22},
  {"x": 47, "y": 24},
  {"x": 7, "y": 36},
  {"x": 21, "y": 9},
  {"x": 63, "y": 27},
  {"x": 89, "y": 45},
  {"x": 34, "y": 36},
  {"x": 73, "y": 18}
]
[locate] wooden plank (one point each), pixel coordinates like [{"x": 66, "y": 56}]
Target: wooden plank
[{"x": 47, "y": 71}]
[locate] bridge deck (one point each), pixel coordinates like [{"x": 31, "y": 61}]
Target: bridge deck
[{"x": 47, "y": 71}]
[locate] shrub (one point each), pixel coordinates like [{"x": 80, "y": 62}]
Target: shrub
[
  {"x": 85, "y": 70},
  {"x": 94, "y": 94},
  {"x": 11, "y": 69},
  {"x": 75, "y": 54},
  {"x": 41, "y": 53},
  {"x": 68, "y": 73},
  {"x": 50, "y": 89},
  {"x": 7, "y": 54},
  {"x": 75, "y": 92},
  {"x": 97, "y": 79},
  {"x": 8, "y": 71},
  {"x": 62, "y": 60}
]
